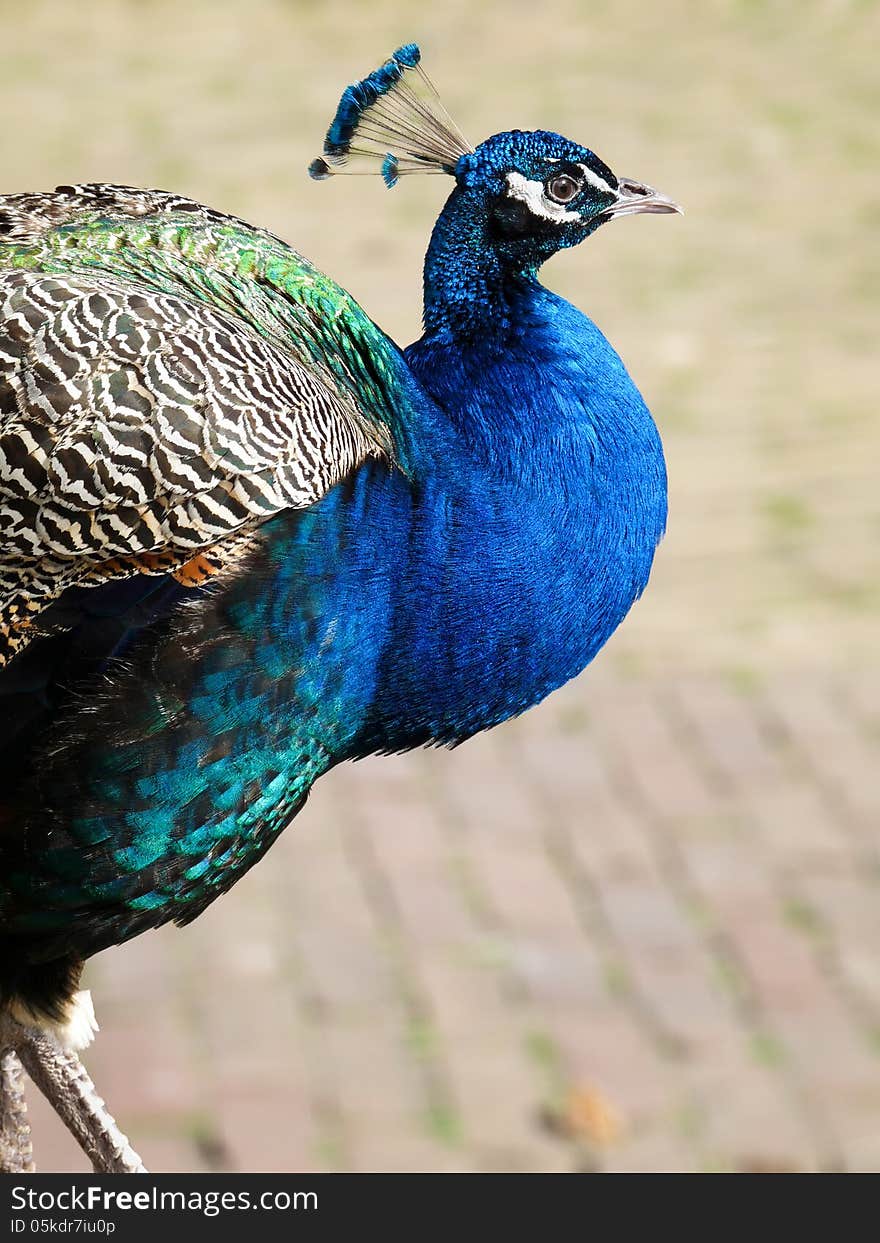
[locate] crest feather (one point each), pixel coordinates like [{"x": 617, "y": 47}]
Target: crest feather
[{"x": 398, "y": 125}]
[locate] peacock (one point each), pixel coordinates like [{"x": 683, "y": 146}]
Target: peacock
[{"x": 246, "y": 537}]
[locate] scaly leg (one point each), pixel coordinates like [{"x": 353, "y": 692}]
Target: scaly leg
[
  {"x": 61, "y": 1077},
  {"x": 16, "y": 1154}
]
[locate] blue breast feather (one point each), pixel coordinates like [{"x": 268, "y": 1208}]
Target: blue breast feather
[
  {"x": 398, "y": 610},
  {"x": 532, "y": 532}
]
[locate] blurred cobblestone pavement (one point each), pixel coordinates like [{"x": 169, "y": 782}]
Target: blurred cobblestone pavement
[
  {"x": 637, "y": 929},
  {"x": 640, "y": 928}
]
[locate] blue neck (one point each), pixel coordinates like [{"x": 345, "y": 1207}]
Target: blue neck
[
  {"x": 467, "y": 285},
  {"x": 531, "y": 386}
]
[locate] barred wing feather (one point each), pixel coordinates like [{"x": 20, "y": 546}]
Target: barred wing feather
[{"x": 169, "y": 379}]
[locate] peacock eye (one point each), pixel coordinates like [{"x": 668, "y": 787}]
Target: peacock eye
[{"x": 562, "y": 189}]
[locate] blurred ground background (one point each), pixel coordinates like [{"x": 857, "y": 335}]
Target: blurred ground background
[{"x": 640, "y": 928}]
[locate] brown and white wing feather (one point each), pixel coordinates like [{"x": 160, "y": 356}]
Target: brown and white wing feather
[{"x": 140, "y": 428}]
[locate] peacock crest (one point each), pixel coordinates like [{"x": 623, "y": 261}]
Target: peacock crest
[{"x": 394, "y": 120}]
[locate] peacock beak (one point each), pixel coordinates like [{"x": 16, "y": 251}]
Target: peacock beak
[{"x": 633, "y": 196}]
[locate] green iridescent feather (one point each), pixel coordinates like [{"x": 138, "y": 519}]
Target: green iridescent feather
[{"x": 278, "y": 293}]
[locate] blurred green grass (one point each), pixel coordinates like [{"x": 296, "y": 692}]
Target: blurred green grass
[{"x": 750, "y": 325}]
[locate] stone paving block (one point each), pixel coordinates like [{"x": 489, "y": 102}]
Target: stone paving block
[
  {"x": 669, "y": 966},
  {"x": 835, "y": 747},
  {"x": 261, "y": 1125},
  {"x": 797, "y": 829},
  {"x": 731, "y": 730},
  {"x": 387, "y": 1150},
  {"x": 654, "y": 890},
  {"x": 652, "y": 1152},
  {"x": 509, "y": 816},
  {"x": 570, "y": 782},
  {"x": 743, "y": 1112},
  {"x": 376, "y": 1071},
  {"x": 347, "y": 973},
  {"x": 423, "y": 877},
  {"x": 452, "y": 987},
  {"x": 524, "y": 889},
  {"x": 169, "y": 1154},
  {"x": 147, "y": 1065},
  {"x": 607, "y": 1052},
  {"x": 556, "y": 970},
  {"x": 554, "y": 1159},
  {"x": 499, "y": 1098},
  {"x": 844, "y": 915}
]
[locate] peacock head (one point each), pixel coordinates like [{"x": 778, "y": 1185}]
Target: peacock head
[
  {"x": 531, "y": 192},
  {"x": 541, "y": 192}
]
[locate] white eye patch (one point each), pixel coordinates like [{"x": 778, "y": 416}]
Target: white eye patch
[
  {"x": 595, "y": 180},
  {"x": 532, "y": 194},
  {"x": 599, "y": 183}
]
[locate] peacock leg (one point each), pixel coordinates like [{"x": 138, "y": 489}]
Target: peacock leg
[
  {"x": 63, "y": 1080},
  {"x": 16, "y": 1154}
]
